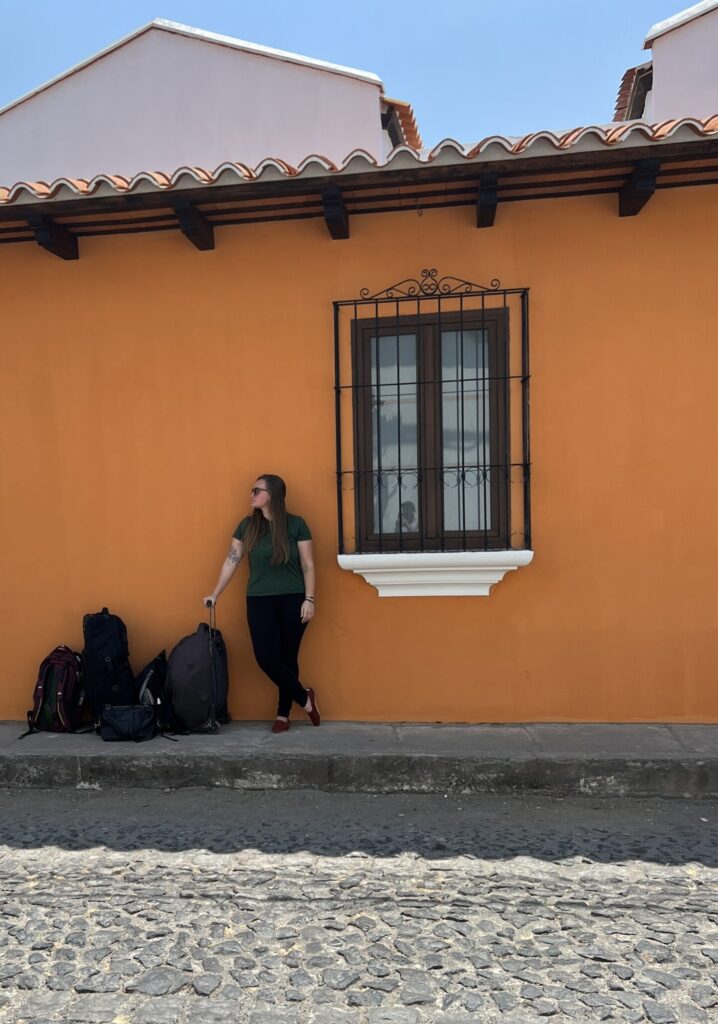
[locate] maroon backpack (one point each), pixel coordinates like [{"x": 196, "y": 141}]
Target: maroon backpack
[{"x": 59, "y": 693}]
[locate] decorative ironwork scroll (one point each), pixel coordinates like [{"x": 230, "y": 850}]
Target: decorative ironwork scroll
[{"x": 429, "y": 283}]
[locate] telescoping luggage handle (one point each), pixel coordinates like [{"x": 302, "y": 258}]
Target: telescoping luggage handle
[
  {"x": 212, "y": 616},
  {"x": 212, "y": 630}
]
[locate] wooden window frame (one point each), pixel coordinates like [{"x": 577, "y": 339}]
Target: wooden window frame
[{"x": 427, "y": 327}]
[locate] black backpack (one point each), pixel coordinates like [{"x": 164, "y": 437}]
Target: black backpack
[
  {"x": 59, "y": 694},
  {"x": 198, "y": 680},
  {"x": 151, "y": 685},
  {"x": 108, "y": 677}
]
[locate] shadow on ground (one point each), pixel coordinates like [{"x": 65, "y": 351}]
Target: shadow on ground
[{"x": 663, "y": 832}]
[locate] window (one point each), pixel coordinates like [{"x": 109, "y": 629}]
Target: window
[
  {"x": 432, "y": 418},
  {"x": 430, "y": 414}
]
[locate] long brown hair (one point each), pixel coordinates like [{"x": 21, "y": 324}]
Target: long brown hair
[{"x": 258, "y": 525}]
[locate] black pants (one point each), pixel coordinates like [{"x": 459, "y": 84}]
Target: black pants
[{"x": 277, "y": 629}]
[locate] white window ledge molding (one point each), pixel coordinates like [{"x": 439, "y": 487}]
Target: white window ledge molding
[{"x": 434, "y": 573}]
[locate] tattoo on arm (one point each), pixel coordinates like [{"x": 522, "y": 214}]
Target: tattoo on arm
[{"x": 234, "y": 557}]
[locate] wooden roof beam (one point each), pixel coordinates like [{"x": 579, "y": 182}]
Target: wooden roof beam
[
  {"x": 53, "y": 237},
  {"x": 487, "y": 200},
  {"x": 194, "y": 225},
  {"x": 335, "y": 212},
  {"x": 639, "y": 188}
]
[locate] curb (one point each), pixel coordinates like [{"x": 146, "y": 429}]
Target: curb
[{"x": 372, "y": 773}]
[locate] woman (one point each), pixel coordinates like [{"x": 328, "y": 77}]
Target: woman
[{"x": 280, "y": 593}]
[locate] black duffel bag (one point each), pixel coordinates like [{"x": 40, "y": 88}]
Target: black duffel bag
[{"x": 136, "y": 722}]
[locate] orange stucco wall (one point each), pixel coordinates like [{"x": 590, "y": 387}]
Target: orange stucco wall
[{"x": 145, "y": 386}]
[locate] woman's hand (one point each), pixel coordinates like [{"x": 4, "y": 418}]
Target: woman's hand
[
  {"x": 210, "y": 601},
  {"x": 307, "y": 611}
]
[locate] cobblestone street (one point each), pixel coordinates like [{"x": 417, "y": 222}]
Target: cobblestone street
[{"x": 196, "y": 907}]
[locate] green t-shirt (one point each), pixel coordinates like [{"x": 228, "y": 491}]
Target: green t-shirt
[{"x": 265, "y": 580}]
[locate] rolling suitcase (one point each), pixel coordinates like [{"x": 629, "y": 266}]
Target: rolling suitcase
[{"x": 198, "y": 679}]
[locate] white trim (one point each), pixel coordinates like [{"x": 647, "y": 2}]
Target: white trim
[
  {"x": 266, "y": 51},
  {"x": 209, "y": 37},
  {"x": 676, "y": 20},
  {"x": 435, "y": 573}
]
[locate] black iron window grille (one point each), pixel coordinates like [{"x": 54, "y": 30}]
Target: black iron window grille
[{"x": 432, "y": 417}]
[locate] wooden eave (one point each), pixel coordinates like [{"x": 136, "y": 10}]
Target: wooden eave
[{"x": 198, "y": 211}]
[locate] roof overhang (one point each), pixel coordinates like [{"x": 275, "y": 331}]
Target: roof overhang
[{"x": 632, "y": 160}]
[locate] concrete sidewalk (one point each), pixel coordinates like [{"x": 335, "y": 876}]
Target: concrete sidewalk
[{"x": 595, "y": 760}]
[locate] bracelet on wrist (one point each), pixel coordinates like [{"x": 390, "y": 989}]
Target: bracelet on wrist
[{"x": 310, "y": 599}]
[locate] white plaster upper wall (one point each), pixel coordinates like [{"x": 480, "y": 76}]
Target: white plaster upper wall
[
  {"x": 685, "y": 70},
  {"x": 164, "y": 100}
]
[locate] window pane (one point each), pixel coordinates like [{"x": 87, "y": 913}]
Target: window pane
[
  {"x": 466, "y": 437},
  {"x": 394, "y": 434}
]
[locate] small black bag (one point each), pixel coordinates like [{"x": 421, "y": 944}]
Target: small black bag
[{"x": 136, "y": 722}]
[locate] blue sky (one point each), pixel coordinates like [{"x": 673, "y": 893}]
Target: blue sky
[{"x": 470, "y": 68}]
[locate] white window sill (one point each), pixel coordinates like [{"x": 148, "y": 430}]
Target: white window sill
[{"x": 434, "y": 573}]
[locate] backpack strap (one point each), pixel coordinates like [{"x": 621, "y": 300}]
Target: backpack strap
[
  {"x": 145, "y": 684},
  {"x": 38, "y": 696},
  {"x": 67, "y": 676}
]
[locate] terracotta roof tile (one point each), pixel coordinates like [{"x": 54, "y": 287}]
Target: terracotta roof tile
[
  {"x": 409, "y": 127},
  {"x": 628, "y": 134},
  {"x": 316, "y": 160},
  {"x": 630, "y": 83},
  {"x": 114, "y": 180},
  {"x": 624, "y": 94}
]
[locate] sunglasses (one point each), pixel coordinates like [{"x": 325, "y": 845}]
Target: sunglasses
[{"x": 258, "y": 490}]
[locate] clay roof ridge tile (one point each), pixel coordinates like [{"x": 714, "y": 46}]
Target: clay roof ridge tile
[
  {"x": 116, "y": 181},
  {"x": 198, "y": 173},
  {"x": 39, "y": 189},
  {"x": 627, "y": 128},
  {"x": 570, "y": 138},
  {"x": 158, "y": 178},
  {"x": 665, "y": 129},
  {"x": 527, "y": 141},
  {"x": 76, "y": 184},
  {"x": 490, "y": 140},
  {"x": 447, "y": 143},
  {"x": 358, "y": 154},
  {"x": 278, "y": 164},
  {"x": 243, "y": 170},
  {"x": 400, "y": 152},
  {"x": 316, "y": 158}
]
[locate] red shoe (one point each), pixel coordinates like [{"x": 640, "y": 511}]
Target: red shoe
[
  {"x": 314, "y": 716},
  {"x": 280, "y": 726}
]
